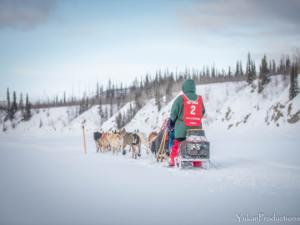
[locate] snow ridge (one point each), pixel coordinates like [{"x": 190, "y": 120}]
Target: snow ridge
[{"x": 230, "y": 106}]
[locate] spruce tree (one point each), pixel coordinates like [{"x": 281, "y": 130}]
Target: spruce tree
[
  {"x": 274, "y": 67},
  {"x": 229, "y": 72},
  {"x": 4, "y": 127},
  {"x": 119, "y": 120},
  {"x": 158, "y": 100},
  {"x": 124, "y": 122},
  {"x": 292, "y": 85},
  {"x": 282, "y": 68},
  {"x": 169, "y": 90},
  {"x": 27, "y": 114},
  {"x": 100, "y": 109},
  {"x": 138, "y": 97},
  {"x": 253, "y": 70},
  {"x": 86, "y": 104},
  {"x": 237, "y": 69},
  {"x": 113, "y": 91},
  {"x": 249, "y": 75},
  {"x": 288, "y": 64},
  {"x": 101, "y": 92},
  {"x": 93, "y": 101},
  {"x": 213, "y": 72},
  {"x": 21, "y": 103},
  {"x": 82, "y": 106},
  {"x": 14, "y": 107},
  {"x": 264, "y": 74},
  {"x": 131, "y": 111},
  {"x": 294, "y": 89},
  {"x": 119, "y": 101},
  {"x": 296, "y": 79},
  {"x": 137, "y": 102},
  {"x": 97, "y": 90},
  {"x": 106, "y": 114},
  {"x": 8, "y": 105},
  {"x": 147, "y": 86},
  {"x": 111, "y": 108},
  {"x": 121, "y": 91},
  {"x": 128, "y": 115},
  {"x": 241, "y": 69},
  {"x": 207, "y": 72}
]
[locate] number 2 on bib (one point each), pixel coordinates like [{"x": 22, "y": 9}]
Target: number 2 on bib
[{"x": 193, "y": 110}]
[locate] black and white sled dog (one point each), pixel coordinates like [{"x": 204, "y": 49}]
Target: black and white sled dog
[{"x": 98, "y": 141}]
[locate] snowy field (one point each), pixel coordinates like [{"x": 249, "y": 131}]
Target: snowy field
[{"x": 49, "y": 180}]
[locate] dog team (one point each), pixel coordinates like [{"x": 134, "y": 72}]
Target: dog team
[{"x": 117, "y": 141}]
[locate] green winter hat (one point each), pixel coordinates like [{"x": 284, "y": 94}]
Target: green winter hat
[{"x": 189, "y": 86}]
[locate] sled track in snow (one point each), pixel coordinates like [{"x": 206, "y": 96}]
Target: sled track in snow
[{"x": 279, "y": 165}]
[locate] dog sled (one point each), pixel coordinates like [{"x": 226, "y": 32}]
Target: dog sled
[{"x": 195, "y": 148}]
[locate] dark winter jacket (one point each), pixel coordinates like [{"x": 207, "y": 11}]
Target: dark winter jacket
[{"x": 189, "y": 89}]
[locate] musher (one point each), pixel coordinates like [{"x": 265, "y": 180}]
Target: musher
[{"x": 186, "y": 113}]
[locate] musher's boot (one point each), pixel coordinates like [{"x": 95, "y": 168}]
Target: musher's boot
[{"x": 172, "y": 163}]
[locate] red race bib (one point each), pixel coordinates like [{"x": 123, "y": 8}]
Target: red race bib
[{"x": 192, "y": 111}]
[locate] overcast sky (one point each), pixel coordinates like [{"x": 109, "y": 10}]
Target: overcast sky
[{"x": 56, "y": 46}]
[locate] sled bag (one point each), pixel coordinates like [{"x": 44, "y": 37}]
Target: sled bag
[{"x": 195, "y": 135}]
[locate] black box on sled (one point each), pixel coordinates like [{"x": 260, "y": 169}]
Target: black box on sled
[{"x": 195, "y": 146}]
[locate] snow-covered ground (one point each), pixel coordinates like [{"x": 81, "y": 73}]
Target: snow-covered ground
[{"x": 47, "y": 179}]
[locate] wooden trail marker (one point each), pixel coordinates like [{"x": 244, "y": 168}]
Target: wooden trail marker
[{"x": 84, "y": 136}]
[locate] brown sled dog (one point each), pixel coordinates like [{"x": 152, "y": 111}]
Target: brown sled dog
[
  {"x": 133, "y": 140},
  {"x": 151, "y": 136},
  {"x": 98, "y": 141},
  {"x": 105, "y": 142},
  {"x": 115, "y": 141}
]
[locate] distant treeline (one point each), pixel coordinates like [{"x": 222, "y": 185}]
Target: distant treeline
[{"x": 159, "y": 86}]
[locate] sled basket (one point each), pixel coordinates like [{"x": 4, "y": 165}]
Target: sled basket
[{"x": 195, "y": 149}]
